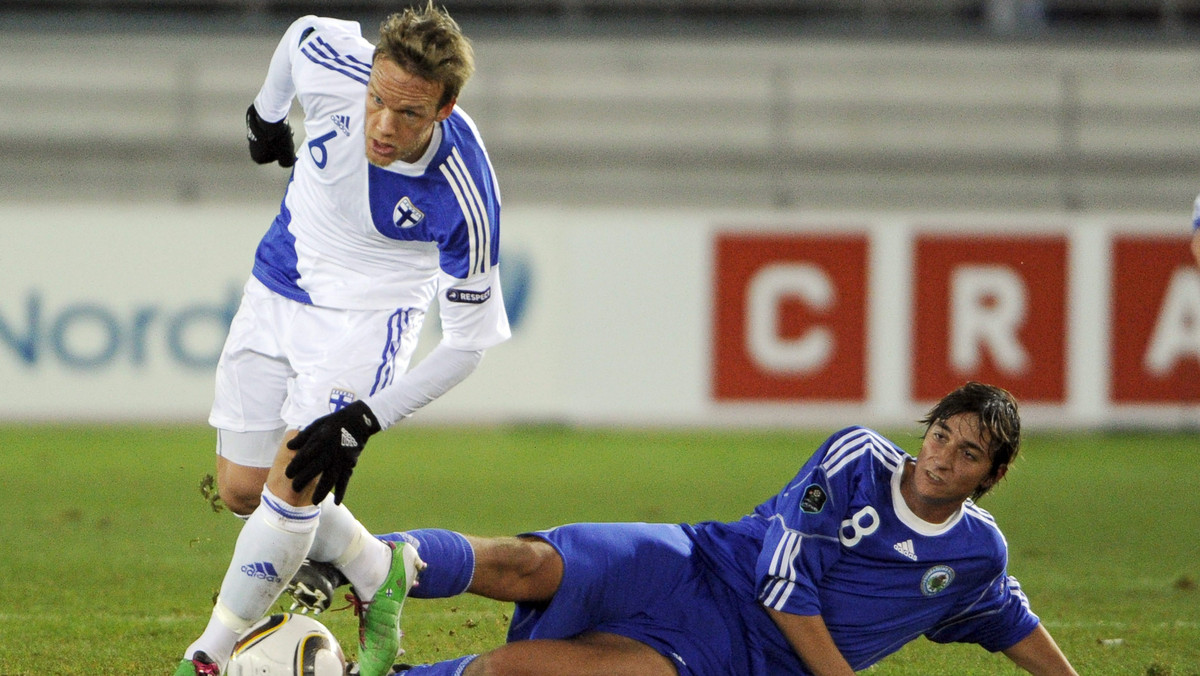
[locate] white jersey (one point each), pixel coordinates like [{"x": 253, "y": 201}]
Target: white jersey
[{"x": 351, "y": 235}]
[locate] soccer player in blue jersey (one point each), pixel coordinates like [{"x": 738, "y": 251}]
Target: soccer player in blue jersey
[
  {"x": 392, "y": 202},
  {"x": 866, "y": 549}
]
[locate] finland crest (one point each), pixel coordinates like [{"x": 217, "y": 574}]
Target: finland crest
[
  {"x": 406, "y": 214},
  {"x": 339, "y": 399}
]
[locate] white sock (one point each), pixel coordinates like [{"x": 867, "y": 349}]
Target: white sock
[
  {"x": 220, "y": 635},
  {"x": 268, "y": 553},
  {"x": 347, "y": 544},
  {"x": 335, "y": 533}
]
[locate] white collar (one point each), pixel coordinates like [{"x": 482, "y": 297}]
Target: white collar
[
  {"x": 908, "y": 517},
  {"x": 418, "y": 168}
]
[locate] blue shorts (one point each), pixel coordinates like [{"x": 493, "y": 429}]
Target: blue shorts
[{"x": 640, "y": 581}]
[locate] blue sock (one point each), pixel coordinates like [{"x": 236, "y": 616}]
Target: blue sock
[
  {"x": 448, "y": 668},
  {"x": 450, "y": 559}
]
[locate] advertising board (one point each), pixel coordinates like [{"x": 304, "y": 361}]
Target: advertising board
[{"x": 653, "y": 317}]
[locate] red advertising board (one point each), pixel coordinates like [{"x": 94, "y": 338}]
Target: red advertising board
[
  {"x": 792, "y": 318},
  {"x": 990, "y": 308},
  {"x": 1155, "y": 321},
  {"x": 789, "y": 317}
]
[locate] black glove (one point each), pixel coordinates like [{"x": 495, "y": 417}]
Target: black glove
[
  {"x": 269, "y": 141},
  {"x": 329, "y": 448}
]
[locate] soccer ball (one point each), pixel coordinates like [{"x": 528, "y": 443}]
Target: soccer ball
[{"x": 287, "y": 644}]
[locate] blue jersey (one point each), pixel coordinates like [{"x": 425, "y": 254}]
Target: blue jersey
[
  {"x": 839, "y": 541},
  {"x": 352, "y": 235}
]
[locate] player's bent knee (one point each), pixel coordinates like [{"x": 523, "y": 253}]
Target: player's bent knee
[
  {"x": 536, "y": 567},
  {"x": 240, "y": 487},
  {"x": 545, "y": 564},
  {"x": 241, "y": 495},
  {"x": 243, "y": 462},
  {"x": 523, "y": 569}
]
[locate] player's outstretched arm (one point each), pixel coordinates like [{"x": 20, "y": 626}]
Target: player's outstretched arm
[
  {"x": 811, "y": 640},
  {"x": 1039, "y": 654},
  {"x": 440, "y": 370},
  {"x": 268, "y": 133}
]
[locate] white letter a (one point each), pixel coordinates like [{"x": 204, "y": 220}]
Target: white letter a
[{"x": 1177, "y": 332}]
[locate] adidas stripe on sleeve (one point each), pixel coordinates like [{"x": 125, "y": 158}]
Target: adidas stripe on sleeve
[{"x": 805, "y": 531}]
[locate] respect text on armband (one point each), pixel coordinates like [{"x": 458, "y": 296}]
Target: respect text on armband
[{"x": 467, "y": 296}]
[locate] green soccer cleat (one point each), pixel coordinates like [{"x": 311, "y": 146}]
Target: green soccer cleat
[
  {"x": 199, "y": 665},
  {"x": 379, "y": 620}
]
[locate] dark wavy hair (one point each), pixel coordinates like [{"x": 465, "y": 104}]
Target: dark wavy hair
[{"x": 999, "y": 421}]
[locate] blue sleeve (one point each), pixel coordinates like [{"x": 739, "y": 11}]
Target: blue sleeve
[
  {"x": 471, "y": 247},
  {"x": 801, "y": 541},
  {"x": 998, "y": 620}
]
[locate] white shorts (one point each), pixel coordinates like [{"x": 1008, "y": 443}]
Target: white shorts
[{"x": 286, "y": 364}]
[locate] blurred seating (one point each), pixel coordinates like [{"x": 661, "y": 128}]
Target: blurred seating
[
  {"x": 715, "y": 122},
  {"x": 1125, "y": 16}
]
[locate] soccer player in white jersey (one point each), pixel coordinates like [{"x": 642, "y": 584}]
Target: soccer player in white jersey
[
  {"x": 866, "y": 549},
  {"x": 392, "y": 202}
]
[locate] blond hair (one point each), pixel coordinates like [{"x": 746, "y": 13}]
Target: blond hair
[{"x": 429, "y": 44}]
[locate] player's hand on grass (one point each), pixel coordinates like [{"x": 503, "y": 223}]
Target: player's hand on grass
[
  {"x": 329, "y": 448},
  {"x": 269, "y": 141}
]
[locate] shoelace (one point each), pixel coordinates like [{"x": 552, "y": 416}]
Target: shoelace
[
  {"x": 204, "y": 669},
  {"x": 352, "y": 602},
  {"x": 360, "y": 611}
]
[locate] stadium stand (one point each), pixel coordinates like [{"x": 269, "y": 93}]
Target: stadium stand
[{"x": 133, "y": 100}]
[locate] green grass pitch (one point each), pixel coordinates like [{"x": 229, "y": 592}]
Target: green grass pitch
[{"x": 110, "y": 556}]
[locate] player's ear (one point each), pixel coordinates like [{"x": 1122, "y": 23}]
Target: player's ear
[
  {"x": 995, "y": 478},
  {"x": 445, "y": 110}
]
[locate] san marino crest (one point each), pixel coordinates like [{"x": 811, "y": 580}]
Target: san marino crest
[
  {"x": 406, "y": 214},
  {"x": 936, "y": 579}
]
